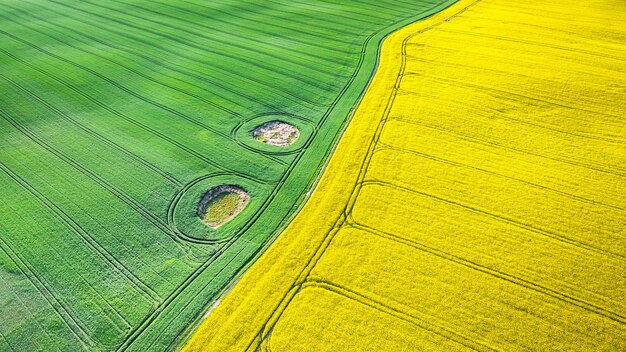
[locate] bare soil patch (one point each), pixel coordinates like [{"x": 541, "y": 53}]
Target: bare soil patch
[{"x": 276, "y": 133}]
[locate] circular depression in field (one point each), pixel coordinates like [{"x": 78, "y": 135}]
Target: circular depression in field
[
  {"x": 221, "y": 204},
  {"x": 216, "y": 207},
  {"x": 276, "y": 132}
]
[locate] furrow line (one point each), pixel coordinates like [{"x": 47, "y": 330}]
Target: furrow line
[{"x": 143, "y": 288}]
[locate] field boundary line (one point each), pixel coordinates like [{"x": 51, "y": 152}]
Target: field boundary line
[{"x": 272, "y": 320}]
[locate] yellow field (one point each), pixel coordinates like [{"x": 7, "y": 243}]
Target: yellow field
[{"x": 476, "y": 201}]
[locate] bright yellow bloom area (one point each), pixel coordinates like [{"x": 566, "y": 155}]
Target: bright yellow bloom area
[{"x": 476, "y": 201}]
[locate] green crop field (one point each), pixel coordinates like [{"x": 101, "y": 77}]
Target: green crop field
[{"x": 116, "y": 117}]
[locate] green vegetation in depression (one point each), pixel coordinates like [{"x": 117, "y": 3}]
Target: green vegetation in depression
[{"x": 117, "y": 117}]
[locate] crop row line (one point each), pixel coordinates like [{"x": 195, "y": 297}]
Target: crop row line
[
  {"x": 185, "y": 71},
  {"x": 145, "y": 323},
  {"x": 275, "y": 23},
  {"x": 121, "y": 195},
  {"x": 6, "y": 341},
  {"x": 20, "y": 297},
  {"x": 120, "y": 86},
  {"x": 129, "y": 119},
  {"x": 81, "y": 332},
  {"x": 114, "y": 316},
  {"x": 180, "y": 311},
  {"x": 396, "y": 310},
  {"x": 300, "y": 20},
  {"x": 52, "y": 298},
  {"x": 143, "y": 326},
  {"x": 92, "y": 133},
  {"x": 539, "y": 43},
  {"x": 382, "y": 146},
  {"x": 501, "y": 218},
  {"x": 279, "y": 310},
  {"x": 488, "y": 143},
  {"x": 498, "y": 274},
  {"x": 264, "y": 155},
  {"x": 137, "y": 72},
  {"x": 150, "y": 294},
  {"x": 367, "y": 6},
  {"x": 163, "y": 173},
  {"x": 342, "y": 18},
  {"x": 252, "y": 61},
  {"x": 514, "y": 97},
  {"x": 248, "y": 47}
]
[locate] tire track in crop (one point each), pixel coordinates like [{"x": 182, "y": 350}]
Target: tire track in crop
[
  {"x": 185, "y": 71},
  {"x": 6, "y": 341},
  {"x": 150, "y": 295},
  {"x": 63, "y": 312},
  {"x": 6, "y": 115},
  {"x": 497, "y": 274},
  {"x": 195, "y": 96},
  {"x": 492, "y": 144},
  {"x": 382, "y": 146},
  {"x": 201, "y": 75},
  {"x": 501, "y": 218},
  {"x": 241, "y": 38},
  {"x": 180, "y": 311},
  {"x": 304, "y": 18},
  {"x": 541, "y": 44},
  {"x": 512, "y": 97},
  {"x": 136, "y": 95},
  {"x": 237, "y": 13},
  {"x": 26, "y": 306},
  {"x": 317, "y": 7},
  {"x": 362, "y": 11},
  {"x": 113, "y": 111},
  {"x": 250, "y": 61},
  {"x": 141, "y": 286},
  {"x": 397, "y": 312},
  {"x": 121, "y": 195},
  {"x": 293, "y": 18},
  {"x": 81, "y": 332},
  {"x": 515, "y": 97},
  {"x": 119, "y": 86},
  {"x": 250, "y": 47},
  {"x": 167, "y": 176},
  {"x": 137, "y": 72},
  {"x": 367, "y": 6},
  {"x": 279, "y": 310},
  {"x": 148, "y": 320}
]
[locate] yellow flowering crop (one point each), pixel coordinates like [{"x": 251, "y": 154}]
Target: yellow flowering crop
[{"x": 476, "y": 201}]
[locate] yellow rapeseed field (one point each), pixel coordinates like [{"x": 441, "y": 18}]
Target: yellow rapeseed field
[{"x": 476, "y": 201}]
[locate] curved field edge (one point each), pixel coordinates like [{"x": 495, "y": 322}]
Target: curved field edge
[
  {"x": 195, "y": 337},
  {"x": 345, "y": 106},
  {"x": 249, "y": 315},
  {"x": 169, "y": 310},
  {"x": 314, "y": 156}
]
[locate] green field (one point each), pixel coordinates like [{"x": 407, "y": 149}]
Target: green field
[{"x": 117, "y": 117}]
